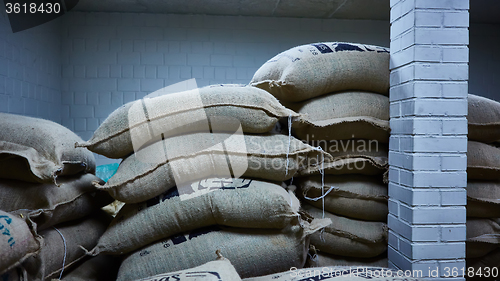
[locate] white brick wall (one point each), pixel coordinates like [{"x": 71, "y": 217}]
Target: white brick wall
[
  {"x": 428, "y": 142},
  {"x": 110, "y": 59},
  {"x": 30, "y": 79}
]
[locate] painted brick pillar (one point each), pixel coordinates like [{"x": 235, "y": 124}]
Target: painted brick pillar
[{"x": 428, "y": 144}]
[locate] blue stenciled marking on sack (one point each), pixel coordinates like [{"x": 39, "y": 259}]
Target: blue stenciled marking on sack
[
  {"x": 6, "y": 232},
  {"x": 181, "y": 238},
  {"x": 347, "y": 47}
]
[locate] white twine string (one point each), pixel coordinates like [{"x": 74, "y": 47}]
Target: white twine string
[
  {"x": 322, "y": 196},
  {"x": 65, "y": 252},
  {"x": 313, "y": 258},
  {"x": 322, "y": 172},
  {"x": 289, "y": 141}
]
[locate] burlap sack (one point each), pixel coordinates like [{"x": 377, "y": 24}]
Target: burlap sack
[
  {"x": 38, "y": 150},
  {"x": 201, "y": 155},
  {"x": 491, "y": 260},
  {"x": 336, "y": 273},
  {"x": 47, "y": 204},
  {"x": 100, "y": 268},
  {"x": 483, "y": 199},
  {"x": 349, "y": 237},
  {"x": 18, "y": 241},
  {"x": 367, "y": 157},
  {"x": 308, "y": 71},
  {"x": 354, "y": 196},
  {"x": 231, "y": 202},
  {"x": 483, "y": 117},
  {"x": 483, "y": 161},
  {"x": 321, "y": 259},
  {"x": 185, "y": 112},
  {"x": 483, "y": 236},
  {"x": 219, "y": 270},
  {"x": 341, "y": 116},
  {"x": 61, "y": 245},
  {"x": 251, "y": 251}
]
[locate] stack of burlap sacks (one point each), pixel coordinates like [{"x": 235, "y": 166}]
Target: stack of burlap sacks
[
  {"x": 483, "y": 184},
  {"x": 181, "y": 204},
  {"x": 340, "y": 91},
  {"x": 49, "y": 206}
]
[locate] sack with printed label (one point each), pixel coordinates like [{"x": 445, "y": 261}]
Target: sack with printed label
[
  {"x": 252, "y": 252},
  {"x": 483, "y": 236},
  {"x": 18, "y": 240},
  {"x": 341, "y": 116},
  {"x": 349, "y": 237},
  {"x": 483, "y": 118},
  {"x": 367, "y": 157},
  {"x": 312, "y": 70},
  {"x": 483, "y": 161},
  {"x": 38, "y": 150},
  {"x": 49, "y": 204},
  {"x": 62, "y": 247},
  {"x": 483, "y": 199},
  {"x": 355, "y": 196},
  {"x": 321, "y": 259},
  {"x": 219, "y": 270},
  {"x": 138, "y": 122},
  {"x": 148, "y": 172},
  {"x": 231, "y": 202}
]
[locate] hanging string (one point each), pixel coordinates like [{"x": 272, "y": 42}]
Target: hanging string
[
  {"x": 322, "y": 196},
  {"x": 65, "y": 252},
  {"x": 289, "y": 142}
]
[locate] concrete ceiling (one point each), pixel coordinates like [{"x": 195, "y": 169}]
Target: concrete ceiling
[
  {"x": 355, "y": 9},
  {"x": 482, "y": 11}
]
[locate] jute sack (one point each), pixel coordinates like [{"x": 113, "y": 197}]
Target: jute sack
[
  {"x": 335, "y": 273},
  {"x": 367, "y": 157},
  {"x": 340, "y": 116},
  {"x": 49, "y": 204},
  {"x": 100, "y": 268},
  {"x": 483, "y": 236},
  {"x": 491, "y": 260},
  {"x": 483, "y": 199},
  {"x": 38, "y": 150},
  {"x": 218, "y": 270},
  {"x": 354, "y": 196},
  {"x": 231, "y": 202},
  {"x": 61, "y": 247},
  {"x": 251, "y": 251},
  {"x": 201, "y": 155},
  {"x": 18, "y": 241},
  {"x": 322, "y": 259},
  {"x": 349, "y": 237},
  {"x": 185, "y": 112},
  {"x": 308, "y": 71},
  {"x": 483, "y": 118},
  {"x": 483, "y": 161}
]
